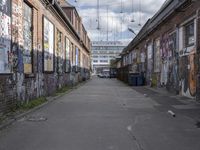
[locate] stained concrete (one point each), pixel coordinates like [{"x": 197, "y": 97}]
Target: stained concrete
[{"x": 104, "y": 114}]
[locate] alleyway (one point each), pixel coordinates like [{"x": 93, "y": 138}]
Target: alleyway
[{"x": 105, "y": 114}]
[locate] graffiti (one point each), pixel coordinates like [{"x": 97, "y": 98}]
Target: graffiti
[
  {"x": 48, "y": 38},
  {"x": 166, "y": 58},
  {"x": 187, "y": 75},
  {"x": 5, "y": 36},
  {"x": 192, "y": 73},
  {"x": 172, "y": 60}
]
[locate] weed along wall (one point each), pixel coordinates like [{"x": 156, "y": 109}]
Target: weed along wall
[{"x": 38, "y": 44}]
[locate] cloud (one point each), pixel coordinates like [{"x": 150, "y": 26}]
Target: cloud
[{"x": 115, "y": 26}]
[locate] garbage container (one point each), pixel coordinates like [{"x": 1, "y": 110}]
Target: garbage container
[
  {"x": 133, "y": 79},
  {"x": 140, "y": 80}
]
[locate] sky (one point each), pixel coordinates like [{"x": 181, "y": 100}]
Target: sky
[{"x": 115, "y": 17}]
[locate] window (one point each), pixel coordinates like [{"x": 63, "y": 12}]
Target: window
[
  {"x": 95, "y": 56},
  {"x": 67, "y": 55},
  {"x": 48, "y": 45},
  {"x": 189, "y": 34},
  {"x": 104, "y": 61},
  {"x": 103, "y": 56},
  {"x": 77, "y": 63},
  {"x": 5, "y": 38},
  {"x": 172, "y": 44},
  {"x": 95, "y": 61},
  {"x": 72, "y": 54},
  {"x": 59, "y": 52},
  {"x": 157, "y": 58},
  {"x": 27, "y": 36}
]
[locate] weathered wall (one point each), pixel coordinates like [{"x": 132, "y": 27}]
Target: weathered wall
[
  {"x": 169, "y": 63},
  {"x": 30, "y": 66}
]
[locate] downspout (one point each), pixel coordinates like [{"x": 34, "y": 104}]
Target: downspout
[{"x": 198, "y": 56}]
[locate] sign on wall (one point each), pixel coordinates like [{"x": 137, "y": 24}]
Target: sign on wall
[
  {"x": 5, "y": 36},
  {"x": 67, "y": 54},
  {"x": 48, "y": 38}
]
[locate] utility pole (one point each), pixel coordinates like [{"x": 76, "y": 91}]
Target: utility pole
[
  {"x": 107, "y": 22},
  {"x": 98, "y": 19}
]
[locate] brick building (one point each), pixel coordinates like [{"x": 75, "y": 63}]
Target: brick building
[
  {"x": 166, "y": 50},
  {"x": 41, "y": 50}
]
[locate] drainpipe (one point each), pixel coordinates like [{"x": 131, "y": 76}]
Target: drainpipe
[{"x": 198, "y": 56}]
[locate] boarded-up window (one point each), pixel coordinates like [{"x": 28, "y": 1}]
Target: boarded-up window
[
  {"x": 48, "y": 39},
  {"x": 5, "y": 37},
  {"x": 157, "y": 58},
  {"x": 27, "y": 36},
  {"x": 67, "y": 55},
  {"x": 59, "y": 52},
  {"x": 77, "y": 56}
]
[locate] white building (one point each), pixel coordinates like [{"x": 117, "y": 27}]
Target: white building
[{"x": 103, "y": 52}]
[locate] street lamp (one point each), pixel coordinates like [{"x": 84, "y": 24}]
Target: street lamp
[{"x": 131, "y": 30}]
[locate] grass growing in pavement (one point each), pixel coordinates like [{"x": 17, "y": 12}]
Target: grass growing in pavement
[
  {"x": 62, "y": 90},
  {"x": 20, "y": 108},
  {"x": 31, "y": 104}
]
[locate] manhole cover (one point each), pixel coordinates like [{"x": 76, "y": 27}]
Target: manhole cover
[
  {"x": 36, "y": 118},
  {"x": 198, "y": 124}
]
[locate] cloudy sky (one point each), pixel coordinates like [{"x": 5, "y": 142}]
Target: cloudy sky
[{"x": 115, "y": 17}]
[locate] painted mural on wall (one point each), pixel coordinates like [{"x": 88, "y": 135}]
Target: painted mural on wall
[
  {"x": 67, "y": 54},
  {"x": 48, "y": 38},
  {"x": 172, "y": 60},
  {"x": 27, "y": 36},
  {"x": 165, "y": 59},
  {"x": 187, "y": 60},
  {"x": 5, "y": 37},
  {"x": 188, "y": 75}
]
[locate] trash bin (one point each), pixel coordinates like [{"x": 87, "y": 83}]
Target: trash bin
[
  {"x": 133, "y": 79},
  {"x": 140, "y": 80}
]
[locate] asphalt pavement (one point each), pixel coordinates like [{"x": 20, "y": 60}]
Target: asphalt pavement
[{"x": 106, "y": 114}]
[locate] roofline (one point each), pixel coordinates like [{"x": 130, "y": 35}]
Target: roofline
[{"x": 154, "y": 24}]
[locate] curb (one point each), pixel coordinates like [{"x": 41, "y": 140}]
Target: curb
[{"x": 50, "y": 99}]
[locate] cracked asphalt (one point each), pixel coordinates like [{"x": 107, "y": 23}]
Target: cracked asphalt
[{"x": 105, "y": 114}]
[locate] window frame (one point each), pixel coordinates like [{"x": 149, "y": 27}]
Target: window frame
[
  {"x": 29, "y": 74},
  {"x": 67, "y": 60},
  {"x": 49, "y": 72},
  {"x": 186, "y": 36},
  {"x": 10, "y": 44}
]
